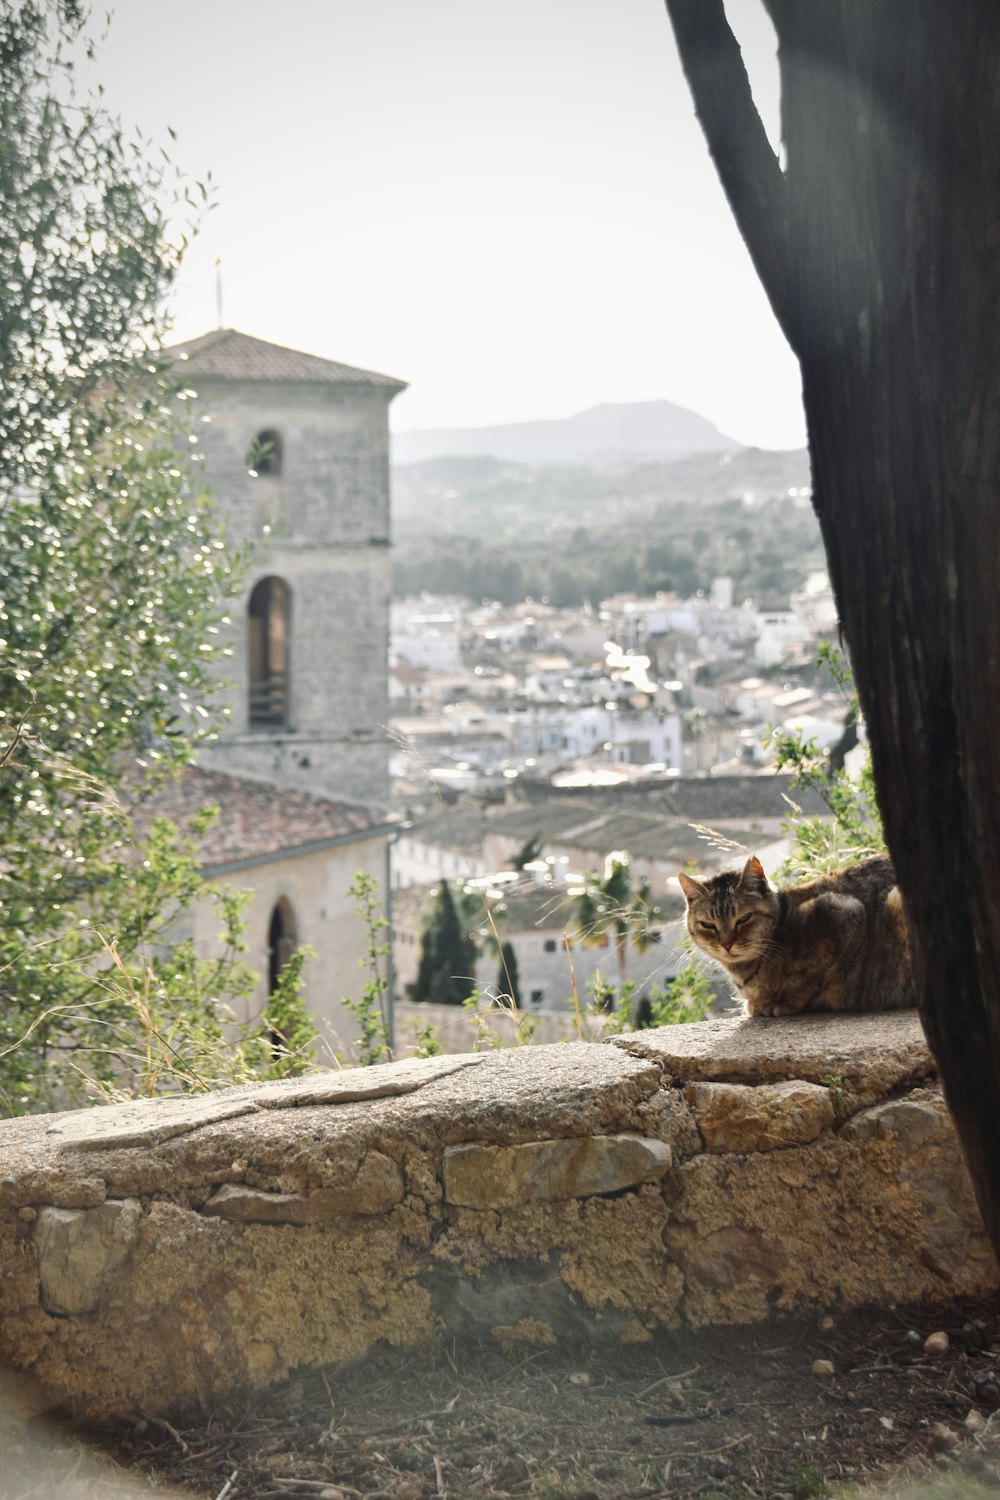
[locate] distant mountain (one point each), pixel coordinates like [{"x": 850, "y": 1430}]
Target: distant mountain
[
  {"x": 613, "y": 432},
  {"x": 476, "y": 494}
]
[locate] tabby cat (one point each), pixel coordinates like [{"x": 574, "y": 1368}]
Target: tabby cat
[{"x": 835, "y": 943}]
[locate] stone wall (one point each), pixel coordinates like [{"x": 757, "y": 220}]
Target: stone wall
[{"x": 160, "y": 1252}]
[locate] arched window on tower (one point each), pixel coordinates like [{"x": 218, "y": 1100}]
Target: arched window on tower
[
  {"x": 267, "y": 454},
  {"x": 269, "y": 645}
]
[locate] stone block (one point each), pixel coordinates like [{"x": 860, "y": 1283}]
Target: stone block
[
  {"x": 79, "y": 1250},
  {"x": 493, "y": 1177},
  {"x": 376, "y": 1187},
  {"x": 912, "y": 1123},
  {"x": 737, "y": 1117},
  {"x": 929, "y": 1166}
]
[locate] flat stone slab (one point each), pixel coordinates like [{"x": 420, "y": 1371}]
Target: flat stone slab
[
  {"x": 145, "y": 1122},
  {"x": 548, "y": 1171},
  {"x": 868, "y": 1054}
]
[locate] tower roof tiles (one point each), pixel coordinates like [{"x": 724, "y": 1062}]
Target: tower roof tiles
[{"x": 226, "y": 354}]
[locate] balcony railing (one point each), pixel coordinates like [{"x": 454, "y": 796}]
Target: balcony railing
[{"x": 269, "y": 702}]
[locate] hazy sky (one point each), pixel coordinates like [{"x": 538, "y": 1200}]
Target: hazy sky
[{"x": 507, "y": 203}]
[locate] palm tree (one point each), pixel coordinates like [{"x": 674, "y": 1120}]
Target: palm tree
[{"x": 615, "y": 904}]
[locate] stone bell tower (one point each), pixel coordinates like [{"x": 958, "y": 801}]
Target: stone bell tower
[{"x": 296, "y": 452}]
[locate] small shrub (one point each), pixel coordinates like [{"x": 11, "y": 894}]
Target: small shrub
[{"x": 855, "y": 830}]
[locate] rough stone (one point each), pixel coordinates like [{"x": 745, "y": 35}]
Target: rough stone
[
  {"x": 545, "y": 1171},
  {"x": 377, "y": 1186},
  {"x": 79, "y": 1250},
  {"x": 913, "y": 1123},
  {"x": 54, "y": 1186},
  {"x": 929, "y": 1165},
  {"x": 821, "y": 1225},
  {"x": 866, "y": 1055},
  {"x": 738, "y": 1117}
]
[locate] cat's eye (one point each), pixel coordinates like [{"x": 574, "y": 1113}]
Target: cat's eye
[
  {"x": 742, "y": 921},
  {"x": 708, "y": 927}
]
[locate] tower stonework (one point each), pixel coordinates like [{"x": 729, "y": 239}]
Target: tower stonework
[{"x": 296, "y": 453}]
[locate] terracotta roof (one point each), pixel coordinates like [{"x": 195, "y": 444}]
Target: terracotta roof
[
  {"x": 227, "y": 354},
  {"x": 257, "y": 821}
]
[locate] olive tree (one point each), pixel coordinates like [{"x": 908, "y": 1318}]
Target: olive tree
[{"x": 112, "y": 587}]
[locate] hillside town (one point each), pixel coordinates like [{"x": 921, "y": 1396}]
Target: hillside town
[
  {"x": 635, "y": 690},
  {"x": 534, "y": 745}
]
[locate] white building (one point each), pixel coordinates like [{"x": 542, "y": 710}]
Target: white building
[
  {"x": 781, "y": 633},
  {"x": 430, "y": 640},
  {"x": 815, "y": 605}
]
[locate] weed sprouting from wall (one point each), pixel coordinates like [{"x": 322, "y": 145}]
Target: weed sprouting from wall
[{"x": 371, "y": 1011}]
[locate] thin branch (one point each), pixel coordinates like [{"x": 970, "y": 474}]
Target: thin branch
[
  {"x": 18, "y": 735},
  {"x": 750, "y": 173}
]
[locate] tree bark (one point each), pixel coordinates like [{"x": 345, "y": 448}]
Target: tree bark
[
  {"x": 891, "y": 131},
  {"x": 747, "y": 166}
]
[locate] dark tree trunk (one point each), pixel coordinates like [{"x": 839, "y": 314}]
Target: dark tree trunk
[{"x": 887, "y": 284}]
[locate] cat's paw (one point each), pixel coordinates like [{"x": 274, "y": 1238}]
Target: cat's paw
[
  {"x": 771, "y": 1008},
  {"x": 758, "y": 1007}
]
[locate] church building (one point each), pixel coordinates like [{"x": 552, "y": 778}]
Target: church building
[{"x": 295, "y": 450}]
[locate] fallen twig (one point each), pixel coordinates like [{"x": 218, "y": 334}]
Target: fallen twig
[
  {"x": 227, "y": 1488},
  {"x": 182, "y": 1445},
  {"x": 666, "y": 1379}
]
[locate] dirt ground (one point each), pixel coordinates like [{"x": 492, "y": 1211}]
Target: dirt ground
[{"x": 720, "y": 1412}]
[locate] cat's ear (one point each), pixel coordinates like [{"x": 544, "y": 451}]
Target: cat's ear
[
  {"x": 753, "y": 877},
  {"x": 692, "y": 888}
]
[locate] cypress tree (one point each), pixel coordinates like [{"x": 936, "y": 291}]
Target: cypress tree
[
  {"x": 446, "y": 971},
  {"x": 508, "y": 982}
]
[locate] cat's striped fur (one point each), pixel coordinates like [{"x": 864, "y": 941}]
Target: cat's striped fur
[{"x": 837, "y": 942}]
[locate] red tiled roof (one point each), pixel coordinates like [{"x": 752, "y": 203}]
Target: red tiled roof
[
  {"x": 227, "y": 354},
  {"x": 256, "y": 819}
]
